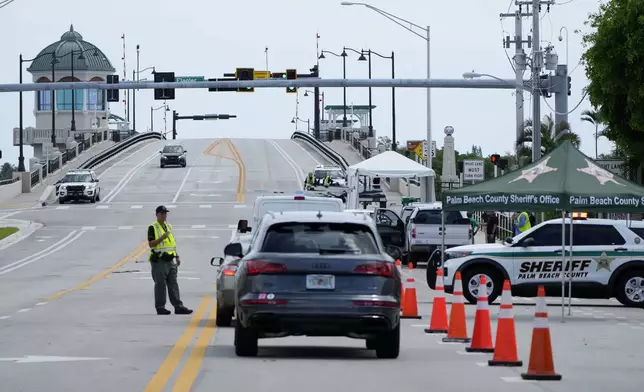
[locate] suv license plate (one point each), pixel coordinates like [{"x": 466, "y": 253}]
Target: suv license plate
[{"x": 320, "y": 282}]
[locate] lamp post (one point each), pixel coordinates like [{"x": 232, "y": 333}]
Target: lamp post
[
  {"x": 393, "y": 95},
  {"x": 21, "y": 157},
  {"x": 409, "y": 27},
  {"x": 363, "y": 58},
  {"x": 152, "y": 109},
  {"x": 136, "y": 75},
  {"x": 308, "y": 123},
  {"x": 54, "y": 61},
  {"x": 80, "y": 57},
  {"x": 344, "y": 76}
]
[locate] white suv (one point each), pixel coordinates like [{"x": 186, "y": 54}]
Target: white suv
[
  {"x": 79, "y": 185},
  {"x": 607, "y": 261}
]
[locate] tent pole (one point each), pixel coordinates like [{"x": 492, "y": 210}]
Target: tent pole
[
  {"x": 563, "y": 262},
  {"x": 571, "y": 266}
]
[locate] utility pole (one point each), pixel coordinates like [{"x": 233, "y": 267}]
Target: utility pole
[{"x": 520, "y": 65}]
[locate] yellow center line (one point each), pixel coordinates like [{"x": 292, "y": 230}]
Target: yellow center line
[
  {"x": 168, "y": 367},
  {"x": 189, "y": 373},
  {"x": 242, "y": 170},
  {"x": 212, "y": 146},
  {"x": 140, "y": 250}
]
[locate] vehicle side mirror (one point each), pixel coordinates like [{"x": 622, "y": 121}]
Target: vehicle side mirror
[
  {"x": 218, "y": 260},
  {"x": 509, "y": 240},
  {"x": 242, "y": 226},
  {"x": 249, "y": 229},
  {"x": 234, "y": 249},
  {"x": 160, "y": 152},
  {"x": 528, "y": 242},
  {"x": 185, "y": 151}
]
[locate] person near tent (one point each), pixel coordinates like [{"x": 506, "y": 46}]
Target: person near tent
[
  {"x": 533, "y": 220},
  {"x": 475, "y": 225},
  {"x": 521, "y": 222},
  {"x": 491, "y": 227},
  {"x": 310, "y": 180},
  {"x": 326, "y": 181}
]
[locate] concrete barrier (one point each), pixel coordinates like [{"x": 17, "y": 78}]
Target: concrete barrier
[{"x": 9, "y": 191}]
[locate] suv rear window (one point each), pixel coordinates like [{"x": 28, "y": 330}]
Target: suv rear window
[
  {"x": 321, "y": 238},
  {"x": 433, "y": 217}
]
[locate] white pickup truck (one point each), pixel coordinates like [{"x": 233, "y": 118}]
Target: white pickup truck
[{"x": 297, "y": 202}]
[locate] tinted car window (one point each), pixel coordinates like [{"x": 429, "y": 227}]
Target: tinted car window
[
  {"x": 590, "y": 235},
  {"x": 638, "y": 230},
  {"x": 173, "y": 149},
  {"x": 549, "y": 235},
  {"x": 428, "y": 217},
  {"x": 77, "y": 178},
  {"x": 298, "y": 237},
  {"x": 387, "y": 217}
]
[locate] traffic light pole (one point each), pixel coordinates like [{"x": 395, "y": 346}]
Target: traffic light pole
[{"x": 196, "y": 117}]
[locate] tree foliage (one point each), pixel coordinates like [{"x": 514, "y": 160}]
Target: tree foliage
[
  {"x": 614, "y": 60},
  {"x": 6, "y": 171},
  {"x": 551, "y": 136}
]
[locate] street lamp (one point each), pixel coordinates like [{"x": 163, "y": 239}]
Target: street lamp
[
  {"x": 80, "y": 57},
  {"x": 344, "y": 76},
  {"x": 393, "y": 95},
  {"x": 152, "y": 109},
  {"x": 407, "y": 25},
  {"x": 363, "y": 58},
  {"x": 308, "y": 123},
  {"x": 136, "y": 75}
]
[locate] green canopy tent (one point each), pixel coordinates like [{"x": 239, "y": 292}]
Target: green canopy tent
[{"x": 565, "y": 180}]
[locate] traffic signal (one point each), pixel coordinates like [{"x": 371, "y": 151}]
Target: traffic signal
[
  {"x": 278, "y": 75},
  {"x": 245, "y": 74},
  {"x": 502, "y": 163},
  {"x": 569, "y": 91},
  {"x": 222, "y": 88},
  {"x": 494, "y": 158},
  {"x": 291, "y": 74},
  {"x": 112, "y": 95},
  {"x": 161, "y": 94}
]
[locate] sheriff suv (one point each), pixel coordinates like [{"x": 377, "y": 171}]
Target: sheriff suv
[
  {"x": 607, "y": 261},
  {"x": 79, "y": 185}
]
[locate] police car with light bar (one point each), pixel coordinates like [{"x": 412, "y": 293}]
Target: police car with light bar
[{"x": 607, "y": 261}]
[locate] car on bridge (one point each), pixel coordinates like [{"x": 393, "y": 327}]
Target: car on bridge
[
  {"x": 312, "y": 273},
  {"x": 173, "y": 155},
  {"x": 80, "y": 184}
]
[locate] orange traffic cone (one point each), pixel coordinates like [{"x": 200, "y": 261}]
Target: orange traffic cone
[
  {"x": 410, "y": 266},
  {"x": 482, "y": 335},
  {"x": 541, "y": 365},
  {"x": 457, "y": 332},
  {"x": 410, "y": 310},
  {"x": 438, "y": 323},
  {"x": 505, "y": 351}
]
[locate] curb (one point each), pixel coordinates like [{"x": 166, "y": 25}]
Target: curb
[{"x": 25, "y": 229}]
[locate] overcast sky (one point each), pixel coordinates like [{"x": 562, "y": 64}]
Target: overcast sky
[{"x": 208, "y": 38}]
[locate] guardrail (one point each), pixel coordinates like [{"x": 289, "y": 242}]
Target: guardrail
[
  {"x": 110, "y": 152},
  {"x": 9, "y": 181},
  {"x": 322, "y": 149}
]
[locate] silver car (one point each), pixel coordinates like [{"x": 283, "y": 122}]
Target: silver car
[{"x": 225, "y": 288}]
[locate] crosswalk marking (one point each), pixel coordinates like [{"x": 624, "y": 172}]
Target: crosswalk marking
[
  {"x": 88, "y": 228},
  {"x": 198, "y": 226},
  {"x": 136, "y": 207},
  {"x": 125, "y": 227},
  {"x": 62, "y": 207},
  {"x": 102, "y": 207},
  {"x": 205, "y": 206}
]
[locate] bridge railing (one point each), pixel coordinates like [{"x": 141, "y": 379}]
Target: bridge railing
[
  {"x": 322, "y": 149},
  {"x": 118, "y": 148}
]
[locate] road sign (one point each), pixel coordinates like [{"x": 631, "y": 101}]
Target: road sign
[
  {"x": 412, "y": 144},
  {"x": 433, "y": 148},
  {"x": 425, "y": 150},
  {"x": 612, "y": 165},
  {"x": 262, "y": 75},
  {"x": 186, "y": 79},
  {"x": 473, "y": 170}
]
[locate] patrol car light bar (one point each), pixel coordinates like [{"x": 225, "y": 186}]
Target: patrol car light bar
[{"x": 272, "y": 83}]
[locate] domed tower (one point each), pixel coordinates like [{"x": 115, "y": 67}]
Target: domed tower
[{"x": 73, "y": 114}]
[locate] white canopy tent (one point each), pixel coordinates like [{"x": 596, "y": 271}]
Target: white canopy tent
[{"x": 386, "y": 164}]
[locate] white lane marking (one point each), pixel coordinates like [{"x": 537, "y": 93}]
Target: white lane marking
[
  {"x": 102, "y": 207},
  {"x": 515, "y": 379},
  {"x": 136, "y": 207},
  {"x": 306, "y": 151},
  {"x": 198, "y": 226},
  {"x": 88, "y": 228},
  {"x": 24, "y": 310},
  {"x": 11, "y": 214},
  {"x": 171, "y": 206},
  {"x": 45, "y": 358},
  {"x": 71, "y": 237},
  {"x": 419, "y": 325},
  {"x": 126, "y": 179},
  {"x": 183, "y": 183},
  {"x": 623, "y": 324},
  {"x": 4, "y": 317},
  {"x": 466, "y": 353},
  {"x": 482, "y": 364},
  {"x": 41, "y": 303},
  {"x": 205, "y": 206},
  {"x": 588, "y": 314},
  {"x": 208, "y": 195},
  {"x": 636, "y": 327},
  {"x": 620, "y": 318},
  {"x": 599, "y": 317},
  {"x": 115, "y": 162},
  {"x": 125, "y": 227},
  {"x": 209, "y": 182},
  {"x": 299, "y": 173},
  {"x": 62, "y": 208},
  {"x": 608, "y": 314},
  {"x": 240, "y": 206},
  {"x": 232, "y": 226}
]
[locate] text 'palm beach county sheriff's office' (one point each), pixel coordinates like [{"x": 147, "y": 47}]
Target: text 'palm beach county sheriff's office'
[
  {"x": 553, "y": 269},
  {"x": 504, "y": 199},
  {"x": 607, "y": 201}
]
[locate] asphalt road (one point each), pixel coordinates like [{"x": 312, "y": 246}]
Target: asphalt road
[{"x": 80, "y": 287}]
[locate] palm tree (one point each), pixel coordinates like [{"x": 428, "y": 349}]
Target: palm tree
[
  {"x": 551, "y": 136},
  {"x": 593, "y": 117}
]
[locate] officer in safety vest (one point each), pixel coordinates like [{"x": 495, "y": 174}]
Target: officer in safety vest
[
  {"x": 326, "y": 181},
  {"x": 310, "y": 180},
  {"x": 164, "y": 261},
  {"x": 521, "y": 222}
]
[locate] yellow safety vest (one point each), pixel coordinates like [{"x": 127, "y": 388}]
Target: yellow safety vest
[
  {"x": 310, "y": 179},
  {"x": 526, "y": 225},
  {"x": 166, "y": 246},
  {"x": 327, "y": 180}
]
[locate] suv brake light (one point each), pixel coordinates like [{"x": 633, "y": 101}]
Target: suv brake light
[
  {"x": 229, "y": 270},
  {"x": 377, "y": 268},
  {"x": 299, "y": 198},
  {"x": 413, "y": 232},
  {"x": 256, "y": 267}
]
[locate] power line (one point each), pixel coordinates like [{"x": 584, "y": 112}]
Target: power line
[
  {"x": 575, "y": 108},
  {"x": 5, "y": 3}
]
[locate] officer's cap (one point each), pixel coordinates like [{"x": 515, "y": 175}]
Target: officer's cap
[{"x": 161, "y": 209}]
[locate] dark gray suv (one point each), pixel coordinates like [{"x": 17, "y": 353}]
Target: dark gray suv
[
  {"x": 173, "y": 155},
  {"x": 314, "y": 273}
]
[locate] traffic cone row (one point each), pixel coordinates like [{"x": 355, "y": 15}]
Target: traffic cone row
[{"x": 541, "y": 365}]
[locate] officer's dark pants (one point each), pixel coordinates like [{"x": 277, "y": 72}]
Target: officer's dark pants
[{"x": 164, "y": 274}]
